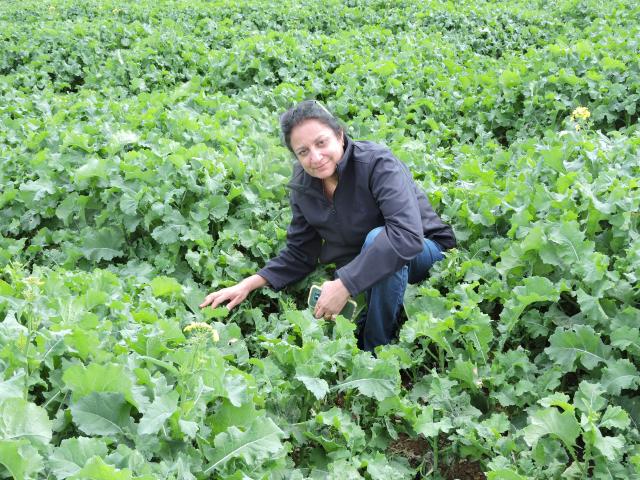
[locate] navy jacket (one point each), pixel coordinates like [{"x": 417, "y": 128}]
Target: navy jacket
[{"x": 374, "y": 189}]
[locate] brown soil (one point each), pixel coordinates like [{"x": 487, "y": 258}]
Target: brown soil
[
  {"x": 413, "y": 449},
  {"x": 464, "y": 470},
  {"x": 417, "y": 450}
]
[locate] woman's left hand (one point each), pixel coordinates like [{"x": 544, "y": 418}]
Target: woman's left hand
[{"x": 332, "y": 300}]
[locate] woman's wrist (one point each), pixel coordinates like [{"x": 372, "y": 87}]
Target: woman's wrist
[{"x": 254, "y": 282}]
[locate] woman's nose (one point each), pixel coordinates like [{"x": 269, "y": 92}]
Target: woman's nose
[{"x": 314, "y": 155}]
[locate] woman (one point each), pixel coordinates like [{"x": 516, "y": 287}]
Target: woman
[{"x": 353, "y": 204}]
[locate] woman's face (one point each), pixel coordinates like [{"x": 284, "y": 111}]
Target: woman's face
[{"x": 317, "y": 148}]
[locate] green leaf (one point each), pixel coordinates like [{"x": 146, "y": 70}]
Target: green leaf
[
  {"x": 260, "y": 442},
  {"x": 504, "y": 474},
  {"x": 20, "y": 458},
  {"x": 12, "y": 388},
  {"x": 157, "y": 413},
  {"x": 111, "y": 377},
  {"x": 614, "y": 417},
  {"x": 101, "y": 413},
  {"x": 103, "y": 244},
  {"x": 424, "y": 424},
  {"x": 318, "y": 386},
  {"x": 589, "y": 398},
  {"x": 228, "y": 415},
  {"x": 467, "y": 373},
  {"x": 95, "y": 167},
  {"x": 97, "y": 469},
  {"x": 557, "y": 399},
  {"x": 374, "y": 378},
  {"x": 551, "y": 422},
  {"x": 618, "y": 375},
  {"x": 73, "y": 453},
  {"x": 553, "y": 158},
  {"x": 581, "y": 343},
  {"x": 535, "y": 289},
  {"x": 343, "y": 423},
  {"x": 382, "y": 468},
  {"x": 610, "y": 447},
  {"x": 165, "y": 286},
  {"x": 20, "y": 419}
]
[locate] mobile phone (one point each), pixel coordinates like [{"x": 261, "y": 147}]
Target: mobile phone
[{"x": 349, "y": 310}]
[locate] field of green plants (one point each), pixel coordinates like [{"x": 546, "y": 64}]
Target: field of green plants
[{"x": 141, "y": 168}]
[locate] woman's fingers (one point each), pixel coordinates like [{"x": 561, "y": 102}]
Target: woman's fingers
[
  {"x": 235, "y": 295},
  {"x": 208, "y": 299}
]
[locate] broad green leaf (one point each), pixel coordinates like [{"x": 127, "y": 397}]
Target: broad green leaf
[
  {"x": 165, "y": 286},
  {"x": 610, "y": 447},
  {"x": 20, "y": 419},
  {"x": 157, "y": 413},
  {"x": 467, "y": 373},
  {"x": 228, "y": 415},
  {"x": 557, "y": 400},
  {"x": 260, "y": 442},
  {"x": 20, "y": 458},
  {"x": 535, "y": 289},
  {"x": 614, "y": 417},
  {"x": 318, "y": 386},
  {"x": 12, "y": 388},
  {"x": 372, "y": 377},
  {"x": 426, "y": 325},
  {"x": 551, "y": 422},
  {"x": 95, "y": 167},
  {"x": 553, "y": 158},
  {"x": 589, "y": 398},
  {"x": 426, "y": 426},
  {"x": 111, "y": 377},
  {"x": 97, "y": 469},
  {"x": 504, "y": 474},
  {"x": 343, "y": 423},
  {"x": 582, "y": 343},
  {"x": 101, "y": 413},
  {"x": 619, "y": 375},
  {"x": 103, "y": 244},
  {"x": 72, "y": 455},
  {"x": 382, "y": 468}
]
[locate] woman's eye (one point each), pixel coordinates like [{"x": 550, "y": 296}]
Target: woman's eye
[{"x": 321, "y": 143}]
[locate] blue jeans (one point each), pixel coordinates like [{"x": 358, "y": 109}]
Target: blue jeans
[{"x": 378, "y": 323}]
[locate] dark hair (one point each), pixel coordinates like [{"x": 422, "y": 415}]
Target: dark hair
[{"x": 309, "y": 109}]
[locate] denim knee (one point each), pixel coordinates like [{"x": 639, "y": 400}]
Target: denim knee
[{"x": 371, "y": 237}]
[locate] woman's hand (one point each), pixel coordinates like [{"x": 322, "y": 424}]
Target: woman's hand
[
  {"x": 332, "y": 300},
  {"x": 234, "y": 294}
]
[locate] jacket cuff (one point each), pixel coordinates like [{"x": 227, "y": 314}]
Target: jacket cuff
[
  {"x": 347, "y": 282},
  {"x": 271, "y": 280}
]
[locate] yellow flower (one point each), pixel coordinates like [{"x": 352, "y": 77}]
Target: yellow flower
[
  {"x": 201, "y": 327},
  {"x": 580, "y": 112},
  {"x": 33, "y": 281}
]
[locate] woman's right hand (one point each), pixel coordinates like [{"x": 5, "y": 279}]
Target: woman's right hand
[{"x": 234, "y": 294}]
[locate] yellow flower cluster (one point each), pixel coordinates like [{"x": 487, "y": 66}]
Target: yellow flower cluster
[
  {"x": 201, "y": 327},
  {"x": 581, "y": 113},
  {"x": 33, "y": 281}
]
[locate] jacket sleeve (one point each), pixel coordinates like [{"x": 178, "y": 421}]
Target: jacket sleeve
[
  {"x": 300, "y": 255},
  {"x": 400, "y": 240}
]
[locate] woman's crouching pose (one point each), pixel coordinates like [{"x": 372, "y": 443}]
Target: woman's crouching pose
[{"x": 356, "y": 205}]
